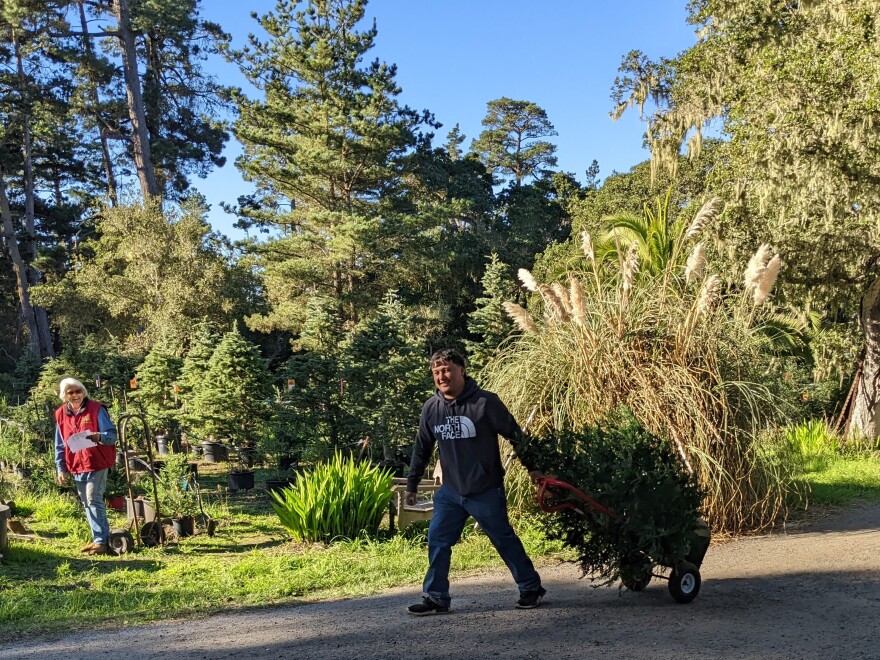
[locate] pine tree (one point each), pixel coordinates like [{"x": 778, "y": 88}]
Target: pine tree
[
  {"x": 157, "y": 377},
  {"x": 232, "y": 401},
  {"x": 488, "y": 321},
  {"x": 322, "y": 147},
  {"x": 387, "y": 376},
  {"x": 511, "y": 145}
]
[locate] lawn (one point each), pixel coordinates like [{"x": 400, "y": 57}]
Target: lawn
[
  {"x": 250, "y": 561},
  {"x": 48, "y": 585}
]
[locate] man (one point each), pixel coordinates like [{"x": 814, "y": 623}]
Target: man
[
  {"x": 465, "y": 421},
  {"x": 89, "y": 466}
]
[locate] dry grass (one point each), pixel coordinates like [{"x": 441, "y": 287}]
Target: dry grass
[{"x": 688, "y": 359}]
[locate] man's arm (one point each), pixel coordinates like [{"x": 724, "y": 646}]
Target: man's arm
[
  {"x": 506, "y": 426},
  {"x": 422, "y": 450}
]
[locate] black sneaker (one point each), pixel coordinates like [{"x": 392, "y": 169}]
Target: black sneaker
[
  {"x": 530, "y": 599},
  {"x": 426, "y": 607}
]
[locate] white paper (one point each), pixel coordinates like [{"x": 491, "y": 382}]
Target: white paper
[{"x": 79, "y": 441}]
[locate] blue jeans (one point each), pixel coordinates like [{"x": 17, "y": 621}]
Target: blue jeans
[
  {"x": 91, "y": 486},
  {"x": 489, "y": 509}
]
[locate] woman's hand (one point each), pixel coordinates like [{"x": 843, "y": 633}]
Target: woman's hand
[
  {"x": 61, "y": 478},
  {"x": 95, "y": 437}
]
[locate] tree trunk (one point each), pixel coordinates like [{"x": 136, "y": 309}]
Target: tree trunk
[
  {"x": 140, "y": 138},
  {"x": 102, "y": 127},
  {"x": 44, "y": 335},
  {"x": 18, "y": 266},
  {"x": 863, "y": 420}
]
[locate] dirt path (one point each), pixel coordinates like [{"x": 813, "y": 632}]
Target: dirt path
[{"x": 807, "y": 593}]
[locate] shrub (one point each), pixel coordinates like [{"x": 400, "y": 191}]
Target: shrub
[
  {"x": 341, "y": 498},
  {"x": 633, "y": 473}
]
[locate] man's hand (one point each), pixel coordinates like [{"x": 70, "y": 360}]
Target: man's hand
[
  {"x": 61, "y": 478},
  {"x": 410, "y": 499},
  {"x": 537, "y": 475},
  {"x": 95, "y": 437}
]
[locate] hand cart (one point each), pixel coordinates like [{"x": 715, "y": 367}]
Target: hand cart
[
  {"x": 151, "y": 533},
  {"x": 684, "y": 578}
]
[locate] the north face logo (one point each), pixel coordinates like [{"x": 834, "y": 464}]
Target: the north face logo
[{"x": 456, "y": 427}]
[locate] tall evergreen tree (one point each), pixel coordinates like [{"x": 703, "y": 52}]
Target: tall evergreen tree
[
  {"x": 157, "y": 378},
  {"x": 322, "y": 147},
  {"x": 511, "y": 145}
]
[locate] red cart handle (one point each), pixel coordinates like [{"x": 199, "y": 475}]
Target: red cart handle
[{"x": 555, "y": 495}]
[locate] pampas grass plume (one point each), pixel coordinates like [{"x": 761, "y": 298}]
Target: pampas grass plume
[
  {"x": 707, "y": 212},
  {"x": 630, "y": 267},
  {"x": 528, "y": 280},
  {"x": 562, "y": 293},
  {"x": 756, "y": 266},
  {"x": 696, "y": 264},
  {"x": 768, "y": 279},
  {"x": 578, "y": 306},
  {"x": 587, "y": 246},
  {"x": 520, "y": 317},
  {"x": 708, "y": 294}
]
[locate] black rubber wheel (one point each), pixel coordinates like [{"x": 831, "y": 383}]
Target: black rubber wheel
[
  {"x": 635, "y": 574},
  {"x": 121, "y": 541},
  {"x": 152, "y": 534},
  {"x": 684, "y": 582}
]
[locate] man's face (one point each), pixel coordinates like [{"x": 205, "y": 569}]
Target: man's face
[{"x": 448, "y": 378}]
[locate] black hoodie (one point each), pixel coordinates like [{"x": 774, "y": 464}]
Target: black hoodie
[{"x": 467, "y": 430}]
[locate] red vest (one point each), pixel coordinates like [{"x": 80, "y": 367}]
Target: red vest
[{"x": 85, "y": 419}]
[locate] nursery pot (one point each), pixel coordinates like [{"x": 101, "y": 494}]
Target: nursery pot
[
  {"x": 185, "y": 526},
  {"x": 5, "y": 514},
  {"x": 116, "y": 502},
  {"x": 240, "y": 480},
  {"x": 247, "y": 456},
  {"x": 162, "y": 445},
  {"x": 286, "y": 462},
  {"x": 214, "y": 452},
  {"x": 278, "y": 484}
]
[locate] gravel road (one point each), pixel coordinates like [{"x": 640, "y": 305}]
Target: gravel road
[{"x": 812, "y": 592}]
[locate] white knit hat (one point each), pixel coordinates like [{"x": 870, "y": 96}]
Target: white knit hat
[{"x": 70, "y": 382}]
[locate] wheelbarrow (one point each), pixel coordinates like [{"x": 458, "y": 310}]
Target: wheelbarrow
[{"x": 684, "y": 579}]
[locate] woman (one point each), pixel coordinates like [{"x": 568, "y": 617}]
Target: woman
[{"x": 89, "y": 466}]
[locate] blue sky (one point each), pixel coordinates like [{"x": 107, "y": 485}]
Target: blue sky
[{"x": 454, "y": 56}]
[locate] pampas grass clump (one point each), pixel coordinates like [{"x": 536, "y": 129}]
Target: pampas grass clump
[{"x": 690, "y": 362}]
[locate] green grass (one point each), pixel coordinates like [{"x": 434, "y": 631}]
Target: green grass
[
  {"x": 845, "y": 480},
  {"x": 48, "y": 585}
]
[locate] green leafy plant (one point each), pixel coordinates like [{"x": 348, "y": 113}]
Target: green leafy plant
[
  {"x": 636, "y": 475},
  {"x": 813, "y": 444},
  {"x": 341, "y": 498},
  {"x": 177, "y": 488}
]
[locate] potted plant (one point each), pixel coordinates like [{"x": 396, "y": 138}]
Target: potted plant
[
  {"x": 240, "y": 477},
  {"x": 177, "y": 494},
  {"x": 117, "y": 489}
]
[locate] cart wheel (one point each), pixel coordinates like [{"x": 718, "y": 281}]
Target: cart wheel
[
  {"x": 152, "y": 534},
  {"x": 121, "y": 542},
  {"x": 684, "y": 582},
  {"x": 636, "y": 573}
]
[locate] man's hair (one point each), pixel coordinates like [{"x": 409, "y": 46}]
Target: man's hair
[{"x": 448, "y": 355}]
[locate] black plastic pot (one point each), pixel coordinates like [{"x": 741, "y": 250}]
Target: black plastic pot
[
  {"x": 278, "y": 484},
  {"x": 185, "y": 526},
  {"x": 163, "y": 445},
  {"x": 240, "y": 480},
  {"x": 286, "y": 463},
  {"x": 214, "y": 452},
  {"x": 247, "y": 456}
]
